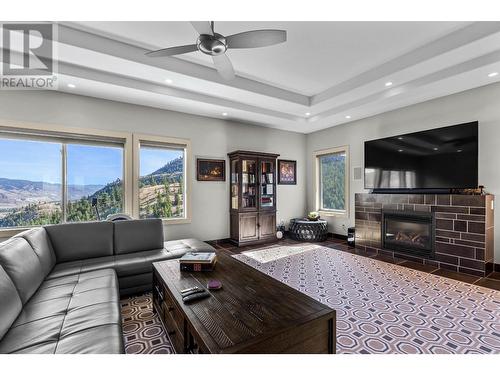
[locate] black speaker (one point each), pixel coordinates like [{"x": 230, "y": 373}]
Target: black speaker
[{"x": 351, "y": 235}]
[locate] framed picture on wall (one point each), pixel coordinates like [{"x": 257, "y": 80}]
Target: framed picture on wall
[
  {"x": 210, "y": 169},
  {"x": 287, "y": 172}
]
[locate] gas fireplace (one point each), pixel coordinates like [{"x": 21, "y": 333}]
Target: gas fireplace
[{"x": 408, "y": 232}]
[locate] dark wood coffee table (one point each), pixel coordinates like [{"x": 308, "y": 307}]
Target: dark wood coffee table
[{"x": 252, "y": 313}]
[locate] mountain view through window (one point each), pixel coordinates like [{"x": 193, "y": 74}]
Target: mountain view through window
[
  {"x": 332, "y": 181},
  {"x": 31, "y": 187},
  {"x": 161, "y": 183},
  {"x": 31, "y": 182}
]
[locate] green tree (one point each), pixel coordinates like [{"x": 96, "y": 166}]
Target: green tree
[{"x": 333, "y": 181}]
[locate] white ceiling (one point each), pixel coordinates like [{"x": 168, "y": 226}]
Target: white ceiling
[
  {"x": 316, "y": 56},
  {"x": 328, "y": 69}
]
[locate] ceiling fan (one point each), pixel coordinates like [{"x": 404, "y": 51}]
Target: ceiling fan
[{"x": 213, "y": 44}]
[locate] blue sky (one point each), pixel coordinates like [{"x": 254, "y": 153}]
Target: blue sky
[
  {"x": 155, "y": 158},
  {"x": 94, "y": 165},
  {"x": 90, "y": 165},
  {"x": 34, "y": 161}
]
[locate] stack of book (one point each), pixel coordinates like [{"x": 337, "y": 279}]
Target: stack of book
[{"x": 194, "y": 261}]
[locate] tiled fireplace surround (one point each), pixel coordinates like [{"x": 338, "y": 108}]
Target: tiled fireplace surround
[{"x": 463, "y": 234}]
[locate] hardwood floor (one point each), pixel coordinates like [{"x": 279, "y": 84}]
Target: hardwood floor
[{"x": 492, "y": 281}]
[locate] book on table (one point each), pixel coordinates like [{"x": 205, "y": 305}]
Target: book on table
[{"x": 198, "y": 261}]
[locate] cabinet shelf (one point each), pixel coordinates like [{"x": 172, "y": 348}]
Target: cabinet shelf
[{"x": 252, "y": 208}]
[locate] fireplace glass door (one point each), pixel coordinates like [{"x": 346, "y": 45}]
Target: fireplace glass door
[{"x": 408, "y": 233}]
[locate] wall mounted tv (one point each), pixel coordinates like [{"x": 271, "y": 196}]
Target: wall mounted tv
[{"x": 440, "y": 159}]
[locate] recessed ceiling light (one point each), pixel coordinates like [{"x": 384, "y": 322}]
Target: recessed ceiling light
[
  {"x": 387, "y": 84},
  {"x": 493, "y": 74},
  {"x": 348, "y": 117},
  {"x": 308, "y": 113},
  {"x": 168, "y": 81},
  {"x": 224, "y": 113},
  {"x": 400, "y": 150},
  {"x": 71, "y": 86},
  {"x": 459, "y": 150},
  {"x": 400, "y": 138},
  {"x": 435, "y": 148}
]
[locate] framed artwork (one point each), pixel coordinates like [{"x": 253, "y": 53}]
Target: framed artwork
[
  {"x": 210, "y": 169},
  {"x": 287, "y": 172}
]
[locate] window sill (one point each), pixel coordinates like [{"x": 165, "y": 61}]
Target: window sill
[
  {"x": 10, "y": 232},
  {"x": 176, "y": 221},
  {"x": 333, "y": 213}
]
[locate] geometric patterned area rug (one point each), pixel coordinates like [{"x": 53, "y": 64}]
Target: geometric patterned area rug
[
  {"x": 142, "y": 330},
  {"x": 386, "y": 308},
  {"x": 275, "y": 253}
]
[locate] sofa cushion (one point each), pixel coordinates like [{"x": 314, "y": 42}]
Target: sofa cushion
[
  {"x": 132, "y": 264},
  {"x": 78, "y": 266},
  {"x": 22, "y": 265},
  {"x": 76, "y": 241},
  {"x": 10, "y": 302},
  {"x": 72, "y": 314},
  {"x": 40, "y": 242},
  {"x": 100, "y": 339},
  {"x": 138, "y": 235}
]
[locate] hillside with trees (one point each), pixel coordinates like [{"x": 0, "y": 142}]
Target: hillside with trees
[
  {"x": 332, "y": 182},
  {"x": 160, "y": 195}
]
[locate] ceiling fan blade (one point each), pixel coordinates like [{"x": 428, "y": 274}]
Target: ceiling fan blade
[
  {"x": 173, "y": 51},
  {"x": 256, "y": 38},
  {"x": 203, "y": 27},
  {"x": 224, "y": 66}
]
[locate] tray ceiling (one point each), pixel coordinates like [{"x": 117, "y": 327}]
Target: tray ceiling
[{"x": 327, "y": 73}]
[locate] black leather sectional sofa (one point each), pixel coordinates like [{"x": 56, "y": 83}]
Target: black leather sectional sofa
[{"x": 60, "y": 285}]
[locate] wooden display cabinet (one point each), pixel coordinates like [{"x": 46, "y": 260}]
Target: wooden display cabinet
[{"x": 252, "y": 197}]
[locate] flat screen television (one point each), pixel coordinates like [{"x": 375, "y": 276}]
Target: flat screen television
[{"x": 443, "y": 158}]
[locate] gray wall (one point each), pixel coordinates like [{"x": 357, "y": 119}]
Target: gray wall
[
  {"x": 482, "y": 104},
  {"x": 214, "y": 138},
  {"x": 210, "y": 138}
]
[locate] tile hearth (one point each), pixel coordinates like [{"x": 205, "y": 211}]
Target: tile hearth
[{"x": 463, "y": 235}]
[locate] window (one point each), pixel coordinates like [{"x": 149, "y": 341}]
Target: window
[
  {"x": 30, "y": 183},
  {"x": 94, "y": 181},
  {"x": 332, "y": 181},
  {"x": 53, "y": 174},
  {"x": 47, "y": 179},
  {"x": 162, "y": 191}
]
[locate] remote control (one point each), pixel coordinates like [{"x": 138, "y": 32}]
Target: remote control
[
  {"x": 189, "y": 289},
  {"x": 195, "y": 297},
  {"x": 195, "y": 291}
]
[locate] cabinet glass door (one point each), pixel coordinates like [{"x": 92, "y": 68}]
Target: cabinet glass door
[
  {"x": 248, "y": 183},
  {"x": 267, "y": 184},
  {"x": 234, "y": 184}
]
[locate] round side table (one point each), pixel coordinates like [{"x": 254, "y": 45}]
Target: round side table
[{"x": 307, "y": 230}]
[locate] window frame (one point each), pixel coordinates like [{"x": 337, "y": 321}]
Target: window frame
[
  {"x": 165, "y": 142},
  {"x": 317, "y": 182},
  {"x": 68, "y": 135},
  {"x": 102, "y": 143}
]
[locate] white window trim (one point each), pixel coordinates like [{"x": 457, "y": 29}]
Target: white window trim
[
  {"x": 71, "y": 133},
  {"x": 317, "y": 185},
  {"x": 166, "y": 141},
  {"x": 131, "y": 149}
]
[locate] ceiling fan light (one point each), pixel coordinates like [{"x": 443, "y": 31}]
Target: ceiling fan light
[{"x": 212, "y": 45}]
